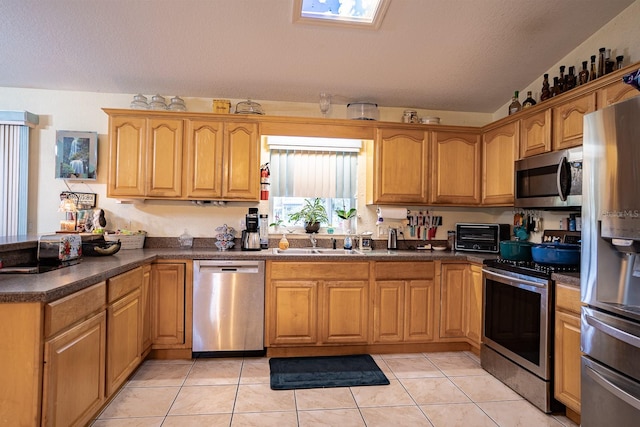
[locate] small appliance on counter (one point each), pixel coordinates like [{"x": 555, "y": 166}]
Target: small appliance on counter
[
  {"x": 392, "y": 240},
  {"x": 251, "y": 234},
  {"x": 481, "y": 237},
  {"x": 54, "y": 251}
]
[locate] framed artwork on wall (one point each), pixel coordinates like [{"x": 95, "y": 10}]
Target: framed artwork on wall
[{"x": 76, "y": 155}]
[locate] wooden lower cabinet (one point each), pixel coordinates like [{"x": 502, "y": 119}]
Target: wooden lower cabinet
[
  {"x": 473, "y": 306},
  {"x": 74, "y": 374},
  {"x": 145, "y": 306},
  {"x": 404, "y": 302},
  {"x": 311, "y": 303},
  {"x": 567, "y": 347},
  {"x": 453, "y": 291},
  {"x": 171, "y": 304}
]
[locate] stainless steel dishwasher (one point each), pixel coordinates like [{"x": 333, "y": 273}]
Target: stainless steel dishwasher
[{"x": 228, "y": 307}]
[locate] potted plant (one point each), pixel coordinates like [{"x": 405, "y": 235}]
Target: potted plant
[
  {"x": 312, "y": 214},
  {"x": 276, "y": 224},
  {"x": 345, "y": 216}
]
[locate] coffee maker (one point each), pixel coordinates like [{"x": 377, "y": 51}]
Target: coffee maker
[{"x": 251, "y": 234}]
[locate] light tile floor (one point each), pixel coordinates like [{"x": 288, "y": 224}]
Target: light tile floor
[{"x": 427, "y": 389}]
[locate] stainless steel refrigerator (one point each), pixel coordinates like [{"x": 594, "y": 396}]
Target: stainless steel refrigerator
[{"x": 610, "y": 267}]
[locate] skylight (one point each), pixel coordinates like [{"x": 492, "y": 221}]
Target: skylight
[{"x": 354, "y": 13}]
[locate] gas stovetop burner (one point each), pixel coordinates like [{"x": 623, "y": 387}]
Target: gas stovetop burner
[{"x": 525, "y": 267}]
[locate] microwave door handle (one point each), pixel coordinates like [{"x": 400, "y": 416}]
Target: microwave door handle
[{"x": 561, "y": 192}]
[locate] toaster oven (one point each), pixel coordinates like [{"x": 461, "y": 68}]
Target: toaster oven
[{"x": 481, "y": 237}]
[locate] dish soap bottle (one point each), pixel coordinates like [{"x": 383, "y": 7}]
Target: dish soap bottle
[
  {"x": 283, "y": 244},
  {"x": 348, "y": 245}
]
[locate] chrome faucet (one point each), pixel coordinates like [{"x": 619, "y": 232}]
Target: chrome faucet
[{"x": 313, "y": 239}]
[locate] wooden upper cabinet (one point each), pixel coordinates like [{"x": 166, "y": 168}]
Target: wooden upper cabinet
[
  {"x": 127, "y": 156},
  {"x": 204, "y": 159},
  {"x": 164, "y": 157},
  {"x": 455, "y": 168},
  {"x": 397, "y": 169},
  {"x": 241, "y": 161},
  {"x": 568, "y": 118},
  {"x": 615, "y": 92},
  {"x": 499, "y": 153},
  {"x": 535, "y": 133}
]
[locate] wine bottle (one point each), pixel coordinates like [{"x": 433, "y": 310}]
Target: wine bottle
[
  {"x": 545, "y": 93},
  {"x": 570, "y": 79},
  {"x": 560, "y": 82},
  {"x": 515, "y": 105},
  {"x": 593, "y": 74},
  {"x": 555, "y": 90},
  {"x": 583, "y": 76},
  {"x": 529, "y": 102},
  {"x": 601, "y": 62},
  {"x": 608, "y": 62}
]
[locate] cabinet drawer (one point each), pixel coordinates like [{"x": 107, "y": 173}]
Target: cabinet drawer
[
  {"x": 568, "y": 298},
  {"x": 404, "y": 270},
  {"x": 320, "y": 270},
  {"x": 66, "y": 311},
  {"x": 124, "y": 283}
]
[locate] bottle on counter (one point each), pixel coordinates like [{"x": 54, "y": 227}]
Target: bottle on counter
[
  {"x": 593, "y": 74},
  {"x": 348, "y": 242},
  {"x": 583, "y": 75},
  {"x": 619, "y": 60},
  {"x": 608, "y": 62},
  {"x": 555, "y": 90},
  {"x": 561, "y": 79},
  {"x": 283, "y": 244},
  {"x": 515, "y": 105},
  {"x": 545, "y": 93},
  {"x": 601, "y": 52},
  {"x": 529, "y": 102},
  {"x": 570, "y": 79}
]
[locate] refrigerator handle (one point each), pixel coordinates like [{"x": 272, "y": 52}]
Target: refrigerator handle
[
  {"x": 612, "y": 388},
  {"x": 614, "y": 332}
]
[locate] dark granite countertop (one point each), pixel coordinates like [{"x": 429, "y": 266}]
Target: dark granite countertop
[
  {"x": 567, "y": 278},
  {"x": 56, "y": 284}
]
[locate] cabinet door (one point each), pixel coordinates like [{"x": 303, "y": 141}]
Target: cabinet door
[
  {"x": 127, "y": 160},
  {"x": 164, "y": 158},
  {"x": 452, "y": 294},
  {"x": 124, "y": 343},
  {"x": 345, "y": 313},
  {"x": 420, "y": 310},
  {"x": 293, "y": 312},
  {"x": 615, "y": 92},
  {"x": 567, "y": 358},
  {"x": 399, "y": 170},
  {"x": 499, "y": 153},
  {"x": 473, "y": 305},
  {"x": 388, "y": 311},
  {"x": 168, "y": 305},
  {"x": 203, "y": 172},
  {"x": 241, "y": 162},
  {"x": 535, "y": 133},
  {"x": 74, "y": 374},
  {"x": 455, "y": 168},
  {"x": 145, "y": 308},
  {"x": 567, "y": 121}
]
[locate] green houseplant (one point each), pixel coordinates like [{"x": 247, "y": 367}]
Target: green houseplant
[
  {"x": 312, "y": 214},
  {"x": 345, "y": 216}
]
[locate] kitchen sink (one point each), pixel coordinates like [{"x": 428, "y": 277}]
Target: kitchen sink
[{"x": 316, "y": 251}]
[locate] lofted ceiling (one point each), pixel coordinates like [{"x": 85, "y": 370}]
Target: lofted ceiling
[{"x": 458, "y": 55}]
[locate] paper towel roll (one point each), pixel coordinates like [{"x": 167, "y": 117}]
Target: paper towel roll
[{"x": 392, "y": 213}]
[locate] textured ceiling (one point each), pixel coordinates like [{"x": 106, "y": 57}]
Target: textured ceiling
[{"x": 458, "y": 55}]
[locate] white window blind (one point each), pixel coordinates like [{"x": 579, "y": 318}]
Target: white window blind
[{"x": 14, "y": 170}]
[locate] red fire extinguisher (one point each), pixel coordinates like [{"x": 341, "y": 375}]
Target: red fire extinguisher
[{"x": 264, "y": 181}]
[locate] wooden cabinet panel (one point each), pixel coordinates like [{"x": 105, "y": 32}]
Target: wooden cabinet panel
[
  {"x": 388, "y": 311},
  {"x": 615, "y": 92},
  {"x": 421, "y": 302},
  {"x": 535, "y": 133},
  {"x": 345, "y": 314},
  {"x": 293, "y": 312},
  {"x": 568, "y": 121},
  {"x": 455, "y": 168},
  {"x": 145, "y": 307},
  {"x": 127, "y": 154},
  {"x": 204, "y": 159},
  {"x": 74, "y": 374},
  {"x": 473, "y": 305},
  {"x": 124, "y": 343},
  {"x": 499, "y": 153},
  {"x": 398, "y": 170},
  {"x": 124, "y": 283},
  {"x": 164, "y": 158},
  {"x": 242, "y": 161},
  {"x": 64, "y": 312},
  {"x": 567, "y": 346},
  {"x": 168, "y": 305},
  {"x": 453, "y": 295}
]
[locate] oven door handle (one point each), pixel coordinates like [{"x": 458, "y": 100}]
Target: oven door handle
[
  {"x": 612, "y": 388},
  {"x": 510, "y": 279},
  {"x": 616, "y": 333}
]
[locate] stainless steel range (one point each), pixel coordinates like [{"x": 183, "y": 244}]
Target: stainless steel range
[{"x": 517, "y": 336}]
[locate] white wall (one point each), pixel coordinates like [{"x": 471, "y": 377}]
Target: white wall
[{"x": 621, "y": 35}]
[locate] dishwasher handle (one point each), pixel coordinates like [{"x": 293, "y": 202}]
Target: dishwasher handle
[{"x": 222, "y": 267}]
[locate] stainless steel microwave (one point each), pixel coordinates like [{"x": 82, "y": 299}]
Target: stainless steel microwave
[
  {"x": 481, "y": 237},
  {"x": 550, "y": 180}
]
